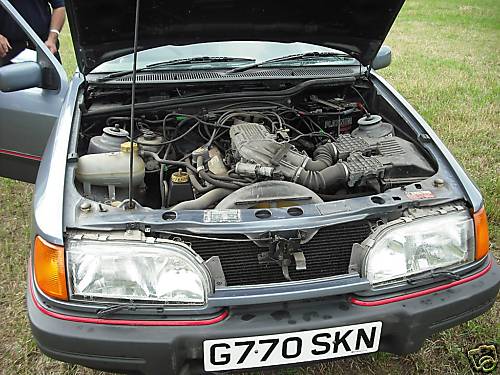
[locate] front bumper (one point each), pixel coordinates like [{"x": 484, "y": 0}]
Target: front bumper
[{"x": 178, "y": 350}]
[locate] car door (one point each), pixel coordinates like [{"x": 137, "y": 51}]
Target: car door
[{"x": 31, "y": 97}]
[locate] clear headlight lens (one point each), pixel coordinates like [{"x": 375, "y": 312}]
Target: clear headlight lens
[
  {"x": 163, "y": 272},
  {"x": 422, "y": 245}
]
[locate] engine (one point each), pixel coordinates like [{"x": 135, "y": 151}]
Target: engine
[
  {"x": 346, "y": 160},
  {"x": 261, "y": 154},
  {"x": 248, "y": 156}
]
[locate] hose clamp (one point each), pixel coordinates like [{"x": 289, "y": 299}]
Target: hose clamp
[
  {"x": 345, "y": 169},
  {"x": 300, "y": 169}
]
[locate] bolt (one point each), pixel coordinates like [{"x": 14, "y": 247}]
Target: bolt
[
  {"x": 438, "y": 182},
  {"x": 85, "y": 207}
]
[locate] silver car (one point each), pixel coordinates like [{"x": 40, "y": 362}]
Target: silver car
[{"x": 245, "y": 191}]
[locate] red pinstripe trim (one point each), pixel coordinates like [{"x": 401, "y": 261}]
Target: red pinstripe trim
[
  {"x": 20, "y": 155},
  {"x": 421, "y": 292},
  {"x": 144, "y": 323}
]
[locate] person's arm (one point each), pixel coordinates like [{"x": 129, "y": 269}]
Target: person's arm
[
  {"x": 56, "y": 25},
  {"x": 4, "y": 46}
]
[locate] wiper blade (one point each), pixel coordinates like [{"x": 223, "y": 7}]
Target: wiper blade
[
  {"x": 184, "y": 61},
  {"x": 197, "y": 60},
  {"x": 446, "y": 275},
  {"x": 299, "y": 56}
]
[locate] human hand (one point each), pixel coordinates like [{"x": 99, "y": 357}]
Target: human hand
[
  {"x": 51, "y": 43},
  {"x": 4, "y": 46}
]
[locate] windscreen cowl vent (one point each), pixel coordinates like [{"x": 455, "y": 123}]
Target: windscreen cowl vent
[{"x": 190, "y": 76}]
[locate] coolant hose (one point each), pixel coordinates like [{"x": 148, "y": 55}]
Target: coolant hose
[
  {"x": 323, "y": 157},
  {"x": 194, "y": 181},
  {"x": 218, "y": 183},
  {"x": 326, "y": 180},
  {"x": 206, "y": 200}
]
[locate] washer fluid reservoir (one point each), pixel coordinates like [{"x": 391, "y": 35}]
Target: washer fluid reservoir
[{"x": 110, "y": 168}]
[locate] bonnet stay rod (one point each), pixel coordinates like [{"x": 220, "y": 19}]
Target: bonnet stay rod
[{"x": 131, "y": 204}]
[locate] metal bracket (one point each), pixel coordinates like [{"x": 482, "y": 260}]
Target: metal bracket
[
  {"x": 72, "y": 157},
  {"x": 214, "y": 265},
  {"x": 282, "y": 250}
]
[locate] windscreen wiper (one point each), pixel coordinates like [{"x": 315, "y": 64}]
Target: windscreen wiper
[
  {"x": 446, "y": 275},
  {"x": 113, "y": 309},
  {"x": 184, "y": 61},
  {"x": 299, "y": 56},
  {"x": 110, "y": 310}
]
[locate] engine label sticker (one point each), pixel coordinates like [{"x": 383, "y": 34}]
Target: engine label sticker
[
  {"x": 423, "y": 194},
  {"x": 222, "y": 216}
]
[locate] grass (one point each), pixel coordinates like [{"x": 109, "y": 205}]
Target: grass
[{"x": 446, "y": 63}]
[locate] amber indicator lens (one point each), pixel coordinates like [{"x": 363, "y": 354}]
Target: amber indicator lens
[
  {"x": 481, "y": 232},
  {"x": 50, "y": 272}
]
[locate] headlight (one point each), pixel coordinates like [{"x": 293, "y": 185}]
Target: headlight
[
  {"x": 164, "y": 272},
  {"x": 421, "y": 245}
]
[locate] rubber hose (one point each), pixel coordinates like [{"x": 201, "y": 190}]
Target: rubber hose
[
  {"x": 196, "y": 184},
  {"x": 326, "y": 180},
  {"x": 218, "y": 183},
  {"x": 203, "y": 202},
  {"x": 226, "y": 178},
  {"x": 324, "y": 156},
  {"x": 176, "y": 163}
]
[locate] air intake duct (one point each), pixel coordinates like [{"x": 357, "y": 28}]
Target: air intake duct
[{"x": 326, "y": 180}]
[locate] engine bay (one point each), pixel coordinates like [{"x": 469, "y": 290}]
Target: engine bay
[{"x": 313, "y": 147}]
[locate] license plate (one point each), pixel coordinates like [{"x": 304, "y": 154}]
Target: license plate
[{"x": 287, "y": 348}]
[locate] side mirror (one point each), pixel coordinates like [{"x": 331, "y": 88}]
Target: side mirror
[
  {"x": 383, "y": 58},
  {"x": 20, "y": 76}
]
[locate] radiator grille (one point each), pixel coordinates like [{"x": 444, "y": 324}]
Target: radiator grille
[{"x": 327, "y": 254}]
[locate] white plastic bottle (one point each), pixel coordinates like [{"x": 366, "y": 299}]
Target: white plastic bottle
[{"x": 111, "y": 168}]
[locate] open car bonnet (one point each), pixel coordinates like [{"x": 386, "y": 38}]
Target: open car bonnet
[{"x": 103, "y": 30}]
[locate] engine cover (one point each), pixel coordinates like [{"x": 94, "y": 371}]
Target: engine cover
[
  {"x": 258, "y": 152},
  {"x": 252, "y": 143}
]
